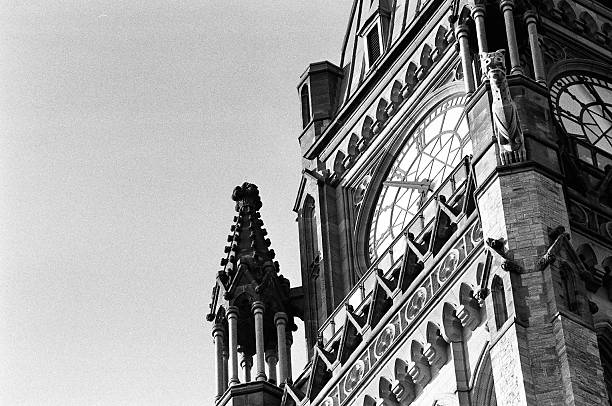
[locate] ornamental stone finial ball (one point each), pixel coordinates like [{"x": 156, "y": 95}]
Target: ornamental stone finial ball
[{"x": 246, "y": 197}]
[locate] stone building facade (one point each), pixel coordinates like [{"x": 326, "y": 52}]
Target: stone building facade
[{"x": 454, "y": 214}]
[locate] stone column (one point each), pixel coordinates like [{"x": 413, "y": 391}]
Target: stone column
[
  {"x": 232, "y": 321},
  {"x": 478, "y": 14},
  {"x": 272, "y": 360},
  {"x": 531, "y": 19},
  {"x": 280, "y": 320},
  {"x": 218, "y": 340},
  {"x": 507, "y": 8},
  {"x": 225, "y": 372},
  {"x": 289, "y": 371},
  {"x": 258, "y": 311},
  {"x": 246, "y": 363},
  {"x": 461, "y": 31}
]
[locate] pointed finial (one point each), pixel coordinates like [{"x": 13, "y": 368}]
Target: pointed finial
[{"x": 246, "y": 198}]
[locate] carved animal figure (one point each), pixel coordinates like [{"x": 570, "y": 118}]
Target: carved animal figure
[{"x": 505, "y": 116}]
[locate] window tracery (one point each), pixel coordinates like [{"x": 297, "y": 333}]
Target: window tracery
[
  {"x": 431, "y": 152},
  {"x": 582, "y": 104}
]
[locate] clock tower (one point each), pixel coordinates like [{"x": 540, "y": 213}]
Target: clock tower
[{"x": 455, "y": 209}]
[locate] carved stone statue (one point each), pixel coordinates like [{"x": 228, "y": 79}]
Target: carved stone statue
[{"x": 505, "y": 115}]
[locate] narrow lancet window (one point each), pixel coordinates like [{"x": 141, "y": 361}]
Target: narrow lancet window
[
  {"x": 305, "y": 95},
  {"x": 499, "y": 302}
]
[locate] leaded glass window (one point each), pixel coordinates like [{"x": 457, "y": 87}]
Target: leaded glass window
[
  {"x": 582, "y": 105},
  {"x": 429, "y": 155}
]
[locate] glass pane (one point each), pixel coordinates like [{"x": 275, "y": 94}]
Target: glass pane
[
  {"x": 369, "y": 281},
  {"x": 355, "y": 299},
  {"x": 603, "y": 161},
  {"x": 584, "y": 154},
  {"x": 583, "y": 106}
]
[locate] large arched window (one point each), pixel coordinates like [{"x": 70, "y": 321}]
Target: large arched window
[
  {"x": 582, "y": 106},
  {"x": 432, "y": 150}
]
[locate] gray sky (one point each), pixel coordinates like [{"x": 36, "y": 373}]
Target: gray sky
[{"x": 124, "y": 127}]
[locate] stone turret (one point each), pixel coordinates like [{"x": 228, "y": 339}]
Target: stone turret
[{"x": 252, "y": 310}]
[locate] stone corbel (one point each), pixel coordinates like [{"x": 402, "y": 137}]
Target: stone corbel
[
  {"x": 420, "y": 372},
  {"x": 436, "y": 352},
  {"x": 497, "y": 249},
  {"x": 402, "y": 387},
  {"x": 469, "y": 315}
]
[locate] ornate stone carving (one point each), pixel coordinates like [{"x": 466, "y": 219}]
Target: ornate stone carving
[
  {"x": 511, "y": 266},
  {"x": 505, "y": 115},
  {"x": 481, "y": 295},
  {"x": 469, "y": 316},
  {"x": 402, "y": 387}
]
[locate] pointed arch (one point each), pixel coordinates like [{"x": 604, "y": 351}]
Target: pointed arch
[
  {"x": 305, "y": 98},
  {"x": 449, "y": 96},
  {"x": 569, "y": 287},
  {"x": 498, "y": 294},
  {"x": 484, "y": 385},
  {"x": 604, "y": 342},
  {"x": 314, "y": 283},
  {"x": 587, "y": 255}
]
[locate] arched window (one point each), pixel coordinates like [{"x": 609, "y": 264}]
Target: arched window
[
  {"x": 431, "y": 152},
  {"x": 569, "y": 287},
  {"x": 499, "y": 302},
  {"x": 604, "y": 342},
  {"x": 305, "y": 95},
  {"x": 373, "y": 41},
  {"x": 582, "y": 107},
  {"x": 315, "y": 286},
  {"x": 483, "y": 393}
]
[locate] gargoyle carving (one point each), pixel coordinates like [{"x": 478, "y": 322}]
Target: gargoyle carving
[{"x": 505, "y": 115}]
